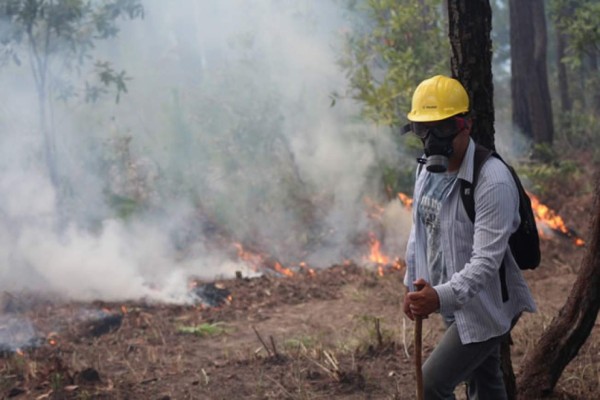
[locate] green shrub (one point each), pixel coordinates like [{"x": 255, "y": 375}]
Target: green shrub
[{"x": 203, "y": 330}]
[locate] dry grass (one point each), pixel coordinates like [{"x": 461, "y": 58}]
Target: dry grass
[{"x": 339, "y": 335}]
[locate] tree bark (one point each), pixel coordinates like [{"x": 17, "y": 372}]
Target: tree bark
[
  {"x": 595, "y": 83},
  {"x": 563, "y": 83},
  {"x": 532, "y": 107},
  {"x": 540, "y": 104},
  {"x": 470, "y": 25},
  {"x": 521, "y": 49},
  {"x": 568, "y": 331}
]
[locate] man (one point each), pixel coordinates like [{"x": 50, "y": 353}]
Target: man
[{"x": 455, "y": 261}]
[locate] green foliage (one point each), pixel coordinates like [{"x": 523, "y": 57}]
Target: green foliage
[
  {"x": 549, "y": 171},
  {"x": 400, "y": 179},
  {"x": 109, "y": 77},
  {"x": 203, "y": 330},
  {"x": 580, "y": 21},
  {"x": 124, "y": 207},
  {"x": 395, "y": 46},
  {"x": 543, "y": 152},
  {"x": 392, "y": 46},
  {"x": 60, "y": 35},
  {"x": 56, "y": 381},
  {"x": 58, "y": 38},
  {"x": 578, "y": 131},
  {"x": 545, "y": 178}
]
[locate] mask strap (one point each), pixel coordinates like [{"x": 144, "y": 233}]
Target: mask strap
[{"x": 405, "y": 129}]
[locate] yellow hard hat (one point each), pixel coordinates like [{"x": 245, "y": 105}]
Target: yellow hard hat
[{"x": 438, "y": 98}]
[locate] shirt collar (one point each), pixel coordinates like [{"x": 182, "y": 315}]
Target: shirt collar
[{"x": 465, "y": 172}]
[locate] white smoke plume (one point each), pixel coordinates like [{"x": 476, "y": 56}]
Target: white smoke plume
[{"x": 226, "y": 134}]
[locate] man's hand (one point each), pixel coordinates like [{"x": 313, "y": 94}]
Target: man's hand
[{"x": 423, "y": 302}]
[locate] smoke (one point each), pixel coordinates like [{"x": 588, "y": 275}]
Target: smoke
[{"x": 227, "y": 134}]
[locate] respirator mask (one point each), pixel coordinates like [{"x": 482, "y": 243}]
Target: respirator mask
[{"x": 437, "y": 141}]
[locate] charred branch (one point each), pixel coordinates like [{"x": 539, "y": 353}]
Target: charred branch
[
  {"x": 103, "y": 323},
  {"x": 210, "y": 294}
]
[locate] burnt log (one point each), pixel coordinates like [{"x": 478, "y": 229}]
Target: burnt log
[
  {"x": 101, "y": 324},
  {"x": 87, "y": 376},
  {"x": 210, "y": 294}
]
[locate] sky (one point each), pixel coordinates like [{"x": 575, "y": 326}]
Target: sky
[{"x": 227, "y": 134}]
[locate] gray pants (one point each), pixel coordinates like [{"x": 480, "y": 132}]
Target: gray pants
[{"x": 452, "y": 362}]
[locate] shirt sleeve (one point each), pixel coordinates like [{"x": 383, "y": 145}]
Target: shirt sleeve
[
  {"x": 409, "y": 256},
  {"x": 496, "y": 208}
]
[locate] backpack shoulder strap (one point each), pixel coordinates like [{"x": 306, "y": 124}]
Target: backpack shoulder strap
[{"x": 467, "y": 190}]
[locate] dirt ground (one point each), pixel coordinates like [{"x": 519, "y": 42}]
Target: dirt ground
[{"x": 334, "y": 334}]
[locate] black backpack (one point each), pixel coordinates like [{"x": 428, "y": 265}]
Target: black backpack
[{"x": 524, "y": 242}]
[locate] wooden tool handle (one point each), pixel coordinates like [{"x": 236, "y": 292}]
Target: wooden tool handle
[{"x": 419, "y": 351}]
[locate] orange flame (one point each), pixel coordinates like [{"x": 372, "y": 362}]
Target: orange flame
[
  {"x": 405, "y": 200},
  {"x": 311, "y": 272},
  {"x": 376, "y": 255},
  {"x": 254, "y": 259},
  {"x": 258, "y": 261},
  {"x": 374, "y": 210},
  {"x": 52, "y": 339},
  {"x": 282, "y": 270},
  {"x": 545, "y": 216}
]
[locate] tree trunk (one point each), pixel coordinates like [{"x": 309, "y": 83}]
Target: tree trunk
[
  {"x": 532, "y": 108},
  {"x": 595, "y": 83},
  {"x": 563, "y": 84},
  {"x": 470, "y": 25},
  {"x": 565, "y": 11},
  {"x": 568, "y": 331},
  {"x": 38, "y": 60},
  {"x": 521, "y": 49},
  {"x": 540, "y": 104},
  {"x": 49, "y": 140}
]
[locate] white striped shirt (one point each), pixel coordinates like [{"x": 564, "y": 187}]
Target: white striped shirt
[{"x": 473, "y": 253}]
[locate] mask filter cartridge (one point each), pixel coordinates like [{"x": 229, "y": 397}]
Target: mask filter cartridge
[{"x": 437, "y": 163}]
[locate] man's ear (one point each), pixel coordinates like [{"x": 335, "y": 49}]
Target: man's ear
[{"x": 469, "y": 122}]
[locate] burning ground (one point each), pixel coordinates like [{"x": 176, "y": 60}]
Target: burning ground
[{"x": 302, "y": 334}]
